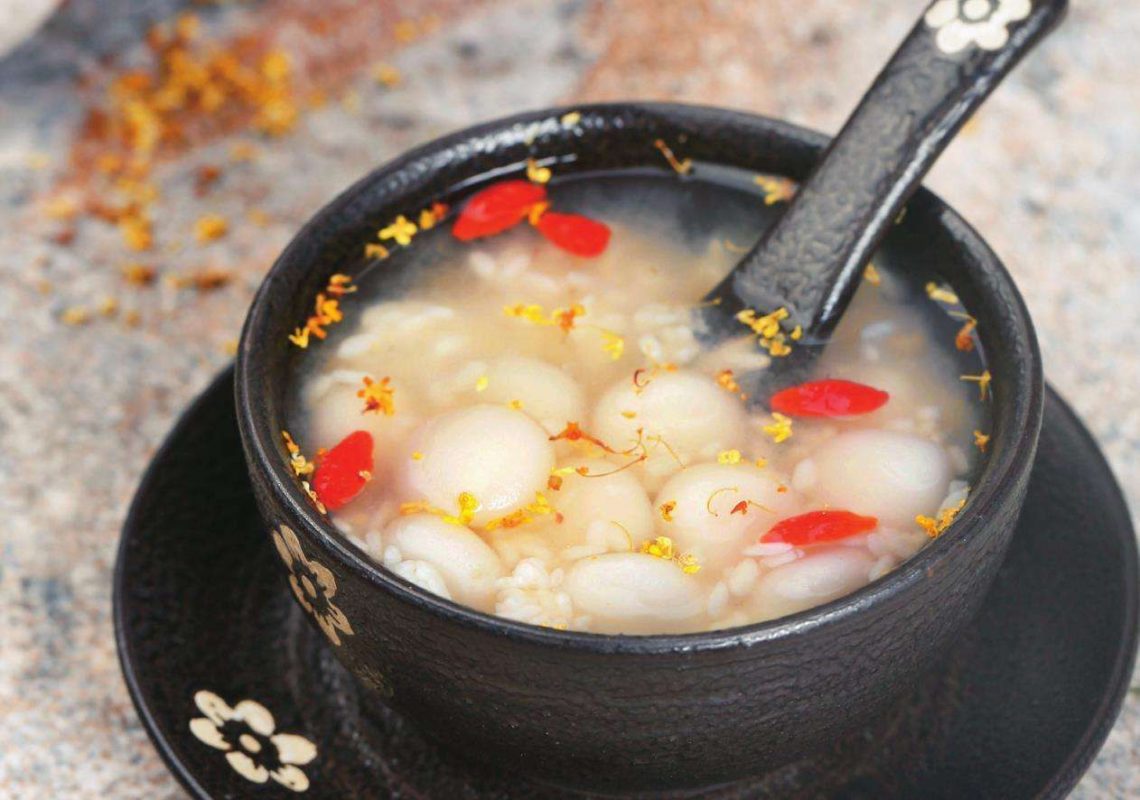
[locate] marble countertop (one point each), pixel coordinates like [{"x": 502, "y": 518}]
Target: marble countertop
[{"x": 94, "y": 369}]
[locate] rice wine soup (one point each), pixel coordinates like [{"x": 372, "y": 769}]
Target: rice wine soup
[{"x": 511, "y": 410}]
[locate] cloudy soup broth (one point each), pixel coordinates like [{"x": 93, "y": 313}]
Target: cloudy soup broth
[{"x": 512, "y": 410}]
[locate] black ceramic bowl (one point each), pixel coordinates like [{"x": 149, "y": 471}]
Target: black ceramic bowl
[{"x": 617, "y": 713}]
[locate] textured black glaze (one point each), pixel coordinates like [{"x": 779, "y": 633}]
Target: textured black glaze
[
  {"x": 1016, "y": 709},
  {"x": 812, "y": 259},
  {"x": 652, "y": 712}
]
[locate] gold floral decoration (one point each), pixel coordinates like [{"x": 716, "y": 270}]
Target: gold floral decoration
[
  {"x": 246, "y": 732},
  {"x": 313, "y": 584}
]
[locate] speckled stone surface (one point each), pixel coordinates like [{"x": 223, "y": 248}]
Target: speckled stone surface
[{"x": 1049, "y": 173}]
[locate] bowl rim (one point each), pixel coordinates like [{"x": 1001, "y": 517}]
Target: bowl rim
[{"x": 1001, "y": 471}]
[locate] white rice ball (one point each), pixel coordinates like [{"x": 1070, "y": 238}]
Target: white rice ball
[
  {"x": 823, "y": 575},
  {"x": 468, "y": 566},
  {"x": 628, "y": 591},
  {"x": 703, "y": 523},
  {"x": 499, "y": 455},
  {"x": 890, "y": 475},
  {"x": 690, "y": 412},
  {"x": 546, "y": 392},
  {"x": 618, "y": 498}
]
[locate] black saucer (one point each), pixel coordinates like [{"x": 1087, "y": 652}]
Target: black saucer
[{"x": 1018, "y": 709}]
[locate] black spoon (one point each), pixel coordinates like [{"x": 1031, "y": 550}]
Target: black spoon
[{"x": 812, "y": 259}]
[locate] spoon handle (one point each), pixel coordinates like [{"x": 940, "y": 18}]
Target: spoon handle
[{"x": 811, "y": 259}]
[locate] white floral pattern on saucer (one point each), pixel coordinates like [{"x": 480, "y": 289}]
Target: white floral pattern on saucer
[
  {"x": 984, "y": 23},
  {"x": 313, "y": 584},
  {"x": 246, "y": 732}
]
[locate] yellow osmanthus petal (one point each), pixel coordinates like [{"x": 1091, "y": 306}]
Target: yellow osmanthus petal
[
  {"x": 339, "y": 284},
  {"x": 659, "y": 547},
  {"x": 536, "y": 211},
  {"x": 981, "y": 440},
  {"x": 301, "y": 465},
  {"x": 536, "y": 173},
  {"x": 982, "y": 380},
  {"x": 776, "y": 188},
  {"x": 136, "y": 232},
  {"x": 780, "y": 429},
  {"x": 326, "y": 311},
  {"x": 928, "y": 524},
  {"x": 941, "y": 294},
  {"x": 768, "y": 331},
  {"x": 308, "y": 489},
  {"x": 729, "y": 457},
  {"x": 613, "y": 344},
  {"x": 767, "y": 325},
  {"x": 680, "y": 166},
  {"x": 666, "y": 510},
  {"x": 139, "y": 274},
  {"x": 964, "y": 339},
  {"x": 564, "y": 318},
  {"x": 688, "y": 563},
  {"x": 481, "y": 383},
  {"x": 935, "y": 526},
  {"x": 727, "y": 381},
  {"x": 778, "y": 348},
  {"x": 871, "y": 275},
  {"x": 530, "y": 312},
  {"x": 401, "y": 231},
  {"x": 540, "y": 507},
  {"x": 378, "y": 397},
  {"x": 300, "y": 337},
  {"x": 210, "y": 227},
  {"x": 376, "y": 251},
  {"x": 662, "y": 547},
  {"x": 468, "y": 505}
]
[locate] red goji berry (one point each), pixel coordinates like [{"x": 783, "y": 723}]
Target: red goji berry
[
  {"x": 828, "y": 398},
  {"x": 344, "y": 470},
  {"x": 497, "y": 208},
  {"x": 816, "y": 527},
  {"x": 574, "y": 233}
]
